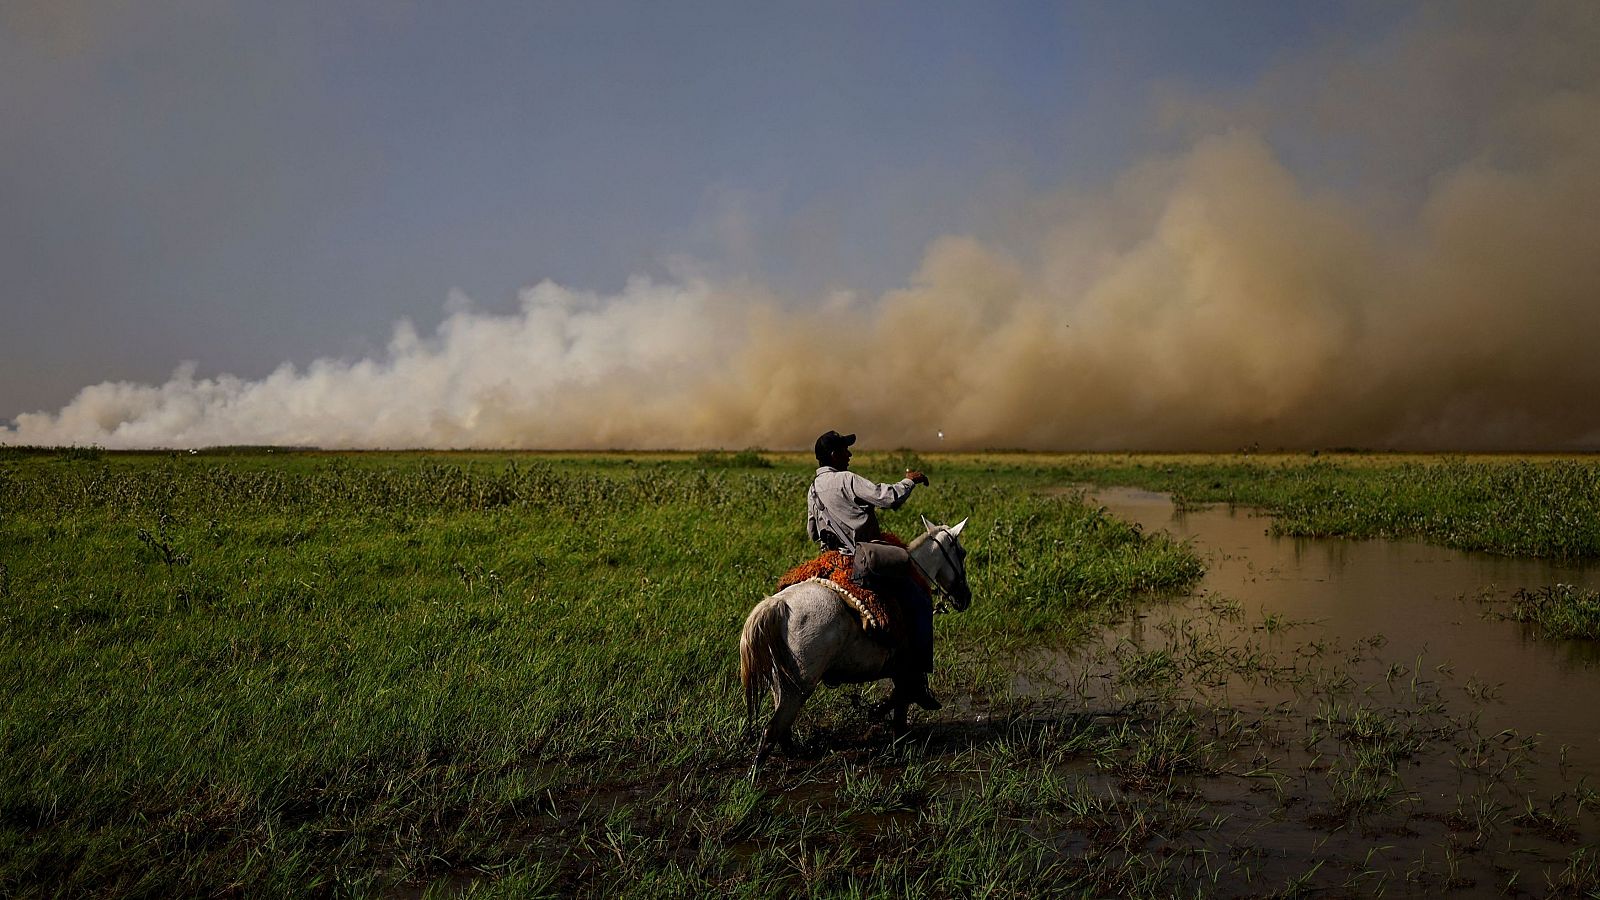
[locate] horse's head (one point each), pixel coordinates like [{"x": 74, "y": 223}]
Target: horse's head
[{"x": 939, "y": 555}]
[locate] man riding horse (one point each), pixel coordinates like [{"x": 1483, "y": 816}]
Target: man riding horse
[{"x": 841, "y": 514}]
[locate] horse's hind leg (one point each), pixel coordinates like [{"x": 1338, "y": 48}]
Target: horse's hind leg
[{"x": 786, "y": 702}]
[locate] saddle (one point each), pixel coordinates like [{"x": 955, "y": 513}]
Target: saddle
[{"x": 880, "y": 611}]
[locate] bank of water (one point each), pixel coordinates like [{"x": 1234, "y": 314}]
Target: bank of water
[{"x": 1419, "y": 601}]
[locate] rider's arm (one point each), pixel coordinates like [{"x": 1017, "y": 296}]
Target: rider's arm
[{"x": 883, "y": 496}]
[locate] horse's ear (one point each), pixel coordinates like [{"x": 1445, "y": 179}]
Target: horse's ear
[
  {"x": 956, "y": 528},
  {"x": 926, "y": 525}
]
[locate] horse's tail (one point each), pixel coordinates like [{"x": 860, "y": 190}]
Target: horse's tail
[{"x": 765, "y": 660}]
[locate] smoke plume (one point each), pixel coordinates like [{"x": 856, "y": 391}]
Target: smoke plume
[{"x": 1394, "y": 244}]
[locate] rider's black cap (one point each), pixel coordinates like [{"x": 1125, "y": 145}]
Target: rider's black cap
[{"x": 833, "y": 440}]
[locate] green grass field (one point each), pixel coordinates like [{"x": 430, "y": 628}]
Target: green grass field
[
  {"x": 260, "y": 673},
  {"x": 278, "y": 673}
]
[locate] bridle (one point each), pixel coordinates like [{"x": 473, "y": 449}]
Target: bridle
[{"x": 955, "y": 566}]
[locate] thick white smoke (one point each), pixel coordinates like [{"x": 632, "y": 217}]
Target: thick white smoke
[
  {"x": 570, "y": 369},
  {"x": 1436, "y": 286}
]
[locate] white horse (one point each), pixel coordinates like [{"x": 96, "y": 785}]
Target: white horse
[{"x": 805, "y": 634}]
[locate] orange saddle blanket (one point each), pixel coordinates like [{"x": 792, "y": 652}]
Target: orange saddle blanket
[{"x": 880, "y": 613}]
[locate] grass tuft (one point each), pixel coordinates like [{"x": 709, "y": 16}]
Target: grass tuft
[{"x": 1561, "y": 611}]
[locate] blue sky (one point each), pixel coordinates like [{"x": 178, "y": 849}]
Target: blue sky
[{"x": 247, "y": 184}]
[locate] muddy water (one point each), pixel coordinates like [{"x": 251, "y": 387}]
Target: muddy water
[{"x": 1419, "y": 601}]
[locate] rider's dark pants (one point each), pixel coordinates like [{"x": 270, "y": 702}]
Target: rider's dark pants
[
  {"x": 920, "y": 607},
  {"x": 887, "y": 566}
]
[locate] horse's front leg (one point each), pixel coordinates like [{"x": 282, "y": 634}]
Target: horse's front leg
[
  {"x": 898, "y": 723},
  {"x": 892, "y": 711},
  {"x": 894, "y": 714}
]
